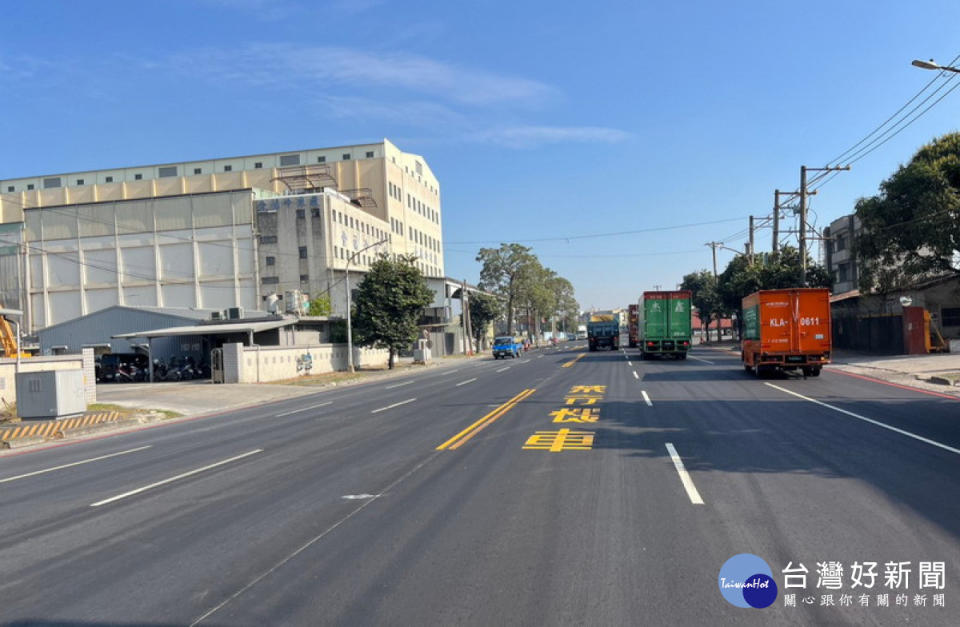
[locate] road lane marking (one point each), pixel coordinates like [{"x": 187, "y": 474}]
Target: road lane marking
[
  {"x": 524, "y": 361},
  {"x": 72, "y": 464},
  {"x": 297, "y": 411},
  {"x": 630, "y": 363},
  {"x": 870, "y": 420},
  {"x": 459, "y": 439},
  {"x": 502, "y": 369},
  {"x": 377, "y": 411},
  {"x": 443, "y": 374},
  {"x": 397, "y": 385},
  {"x": 698, "y": 359},
  {"x": 685, "y": 479},
  {"x": 359, "y": 497},
  {"x": 311, "y": 542},
  {"x": 539, "y": 356},
  {"x": 182, "y": 475},
  {"x": 574, "y": 360},
  {"x": 646, "y": 398},
  {"x": 635, "y": 375},
  {"x": 465, "y": 382}
]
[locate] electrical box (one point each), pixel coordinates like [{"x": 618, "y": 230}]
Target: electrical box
[{"x": 51, "y": 394}]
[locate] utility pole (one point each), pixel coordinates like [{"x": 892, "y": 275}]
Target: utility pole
[
  {"x": 802, "y": 236},
  {"x": 750, "y": 249},
  {"x": 803, "y": 226},
  {"x": 714, "y": 246},
  {"x": 776, "y": 220}
]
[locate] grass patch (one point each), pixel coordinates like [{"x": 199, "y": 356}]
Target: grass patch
[{"x": 130, "y": 411}]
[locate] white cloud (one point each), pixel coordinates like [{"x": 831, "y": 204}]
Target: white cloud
[
  {"x": 414, "y": 113},
  {"x": 294, "y": 66},
  {"x": 532, "y": 136}
]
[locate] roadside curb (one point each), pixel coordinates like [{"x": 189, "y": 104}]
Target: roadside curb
[{"x": 36, "y": 432}]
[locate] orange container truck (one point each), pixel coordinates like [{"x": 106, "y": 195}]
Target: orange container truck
[{"x": 786, "y": 330}]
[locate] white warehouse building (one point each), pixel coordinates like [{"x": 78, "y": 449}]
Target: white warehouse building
[{"x": 213, "y": 234}]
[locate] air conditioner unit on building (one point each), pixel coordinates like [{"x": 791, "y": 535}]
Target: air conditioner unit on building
[
  {"x": 234, "y": 313},
  {"x": 216, "y": 315}
]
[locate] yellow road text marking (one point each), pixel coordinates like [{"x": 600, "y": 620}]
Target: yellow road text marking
[
  {"x": 458, "y": 440},
  {"x": 562, "y": 440}
]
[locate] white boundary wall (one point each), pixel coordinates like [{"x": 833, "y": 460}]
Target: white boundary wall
[
  {"x": 253, "y": 364},
  {"x": 84, "y": 362}
]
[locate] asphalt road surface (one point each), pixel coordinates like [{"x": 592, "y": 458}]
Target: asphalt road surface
[{"x": 563, "y": 488}]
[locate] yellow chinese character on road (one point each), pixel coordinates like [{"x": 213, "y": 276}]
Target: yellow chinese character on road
[
  {"x": 575, "y": 399},
  {"x": 562, "y": 440},
  {"x": 576, "y": 414},
  {"x": 588, "y": 389}
]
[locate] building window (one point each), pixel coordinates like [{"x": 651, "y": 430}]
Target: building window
[
  {"x": 257, "y": 165},
  {"x": 289, "y": 160},
  {"x": 228, "y": 168},
  {"x": 268, "y": 239},
  {"x": 9, "y": 188},
  {"x": 79, "y": 181},
  {"x": 303, "y": 252},
  {"x": 370, "y": 154},
  {"x": 419, "y": 167},
  {"x": 51, "y": 182},
  {"x": 841, "y": 243},
  {"x": 843, "y": 273},
  {"x": 29, "y": 186},
  {"x": 166, "y": 171},
  {"x": 315, "y": 212},
  {"x": 950, "y": 316},
  {"x": 271, "y": 261},
  {"x": 270, "y": 280},
  {"x": 109, "y": 179},
  {"x": 346, "y": 156},
  {"x": 301, "y": 213},
  {"x": 304, "y": 277},
  {"x": 197, "y": 171},
  {"x": 137, "y": 177},
  {"x": 321, "y": 159}
]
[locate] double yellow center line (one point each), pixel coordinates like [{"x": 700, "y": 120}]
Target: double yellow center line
[
  {"x": 458, "y": 440},
  {"x": 574, "y": 360}
]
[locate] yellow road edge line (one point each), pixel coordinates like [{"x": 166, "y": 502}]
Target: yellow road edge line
[{"x": 502, "y": 408}]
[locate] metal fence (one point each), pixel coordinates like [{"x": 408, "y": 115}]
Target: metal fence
[{"x": 873, "y": 334}]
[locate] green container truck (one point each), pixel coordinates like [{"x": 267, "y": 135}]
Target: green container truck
[{"x": 665, "y": 324}]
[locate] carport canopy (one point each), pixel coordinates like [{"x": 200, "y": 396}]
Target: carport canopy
[{"x": 210, "y": 329}]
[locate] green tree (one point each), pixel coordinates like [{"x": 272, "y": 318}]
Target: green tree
[
  {"x": 320, "y": 306},
  {"x": 566, "y": 307},
  {"x": 389, "y": 302},
  {"x": 911, "y": 229},
  {"x": 484, "y": 309},
  {"x": 769, "y": 271},
  {"x": 506, "y": 271},
  {"x": 706, "y": 297}
]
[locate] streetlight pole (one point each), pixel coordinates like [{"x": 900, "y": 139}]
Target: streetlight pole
[
  {"x": 346, "y": 280},
  {"x": 931, "y": 65}
]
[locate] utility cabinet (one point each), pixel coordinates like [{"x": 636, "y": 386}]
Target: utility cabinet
[{"x": 50, "y": 394}]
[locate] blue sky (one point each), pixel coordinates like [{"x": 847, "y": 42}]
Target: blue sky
[{"x": 542, "y": 120}]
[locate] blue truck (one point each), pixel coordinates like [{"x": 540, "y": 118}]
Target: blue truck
[{"x": 506, "y": 346}]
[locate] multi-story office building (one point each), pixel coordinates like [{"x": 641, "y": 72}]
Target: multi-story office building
[
  {"x": 213, "y": 234},
  {"x": 841, "y": 260}
]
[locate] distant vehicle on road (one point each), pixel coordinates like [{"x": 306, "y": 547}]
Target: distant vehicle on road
[
  {"x": 633, "y": 325},
  {"x": 506, "y": 346},
  {"x": 786, "y": 330},
  {"x": 665, "y": 324},
  {"x": 603, "y": 331}
]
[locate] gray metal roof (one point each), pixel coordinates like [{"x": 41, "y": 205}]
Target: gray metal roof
[{"x": 212, "y": 329}]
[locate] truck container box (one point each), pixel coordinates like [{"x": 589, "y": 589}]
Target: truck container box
[
  {"x": 786, "y": 329},
  {"x": 665, "y": 325}
]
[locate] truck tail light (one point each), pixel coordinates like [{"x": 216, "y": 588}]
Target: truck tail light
[{"x": 651, "y": 344}]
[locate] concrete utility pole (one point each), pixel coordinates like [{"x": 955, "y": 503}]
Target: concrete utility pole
[
  {"x": 776, "y": 220},
  {"x": 714, "y": 246},
  {"x": 750, "y": 249},
  {"x": 802, "y": 236}
]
